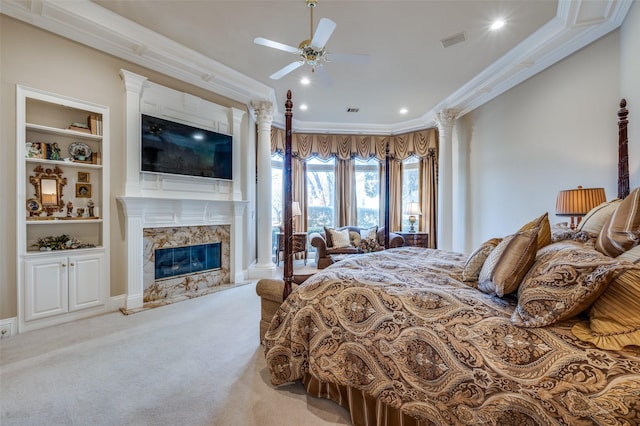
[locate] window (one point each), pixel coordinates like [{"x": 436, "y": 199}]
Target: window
[
  {"x": 321, "y": 177},
  {"x": 410, "y": 188},
  {"x": 367, "y": 192}
]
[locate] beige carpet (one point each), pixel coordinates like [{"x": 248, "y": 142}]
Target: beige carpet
[{"x": 196, "y": 362}]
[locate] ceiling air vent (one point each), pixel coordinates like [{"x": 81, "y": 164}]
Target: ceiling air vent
[
  {"x": 352, "y": 109},
  {"x": 454, "y": 39}
]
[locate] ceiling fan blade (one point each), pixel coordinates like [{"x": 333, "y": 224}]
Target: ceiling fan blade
[
  {"x": 286, "y": 70},
  {"x": 323, "y": 76},
  {"x": 348, "y": 58},
  {"x": 323, "y": 32},
  {"x": 275, "y": 45}
]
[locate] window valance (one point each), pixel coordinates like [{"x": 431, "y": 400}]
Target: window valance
[{"x": 344, "y": 147}]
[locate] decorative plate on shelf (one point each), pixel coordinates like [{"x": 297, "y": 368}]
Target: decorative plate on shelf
[{"x": 80, "y": 151}]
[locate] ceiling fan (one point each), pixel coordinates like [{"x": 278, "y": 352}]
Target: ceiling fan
[{"x": 312, "y": 51}]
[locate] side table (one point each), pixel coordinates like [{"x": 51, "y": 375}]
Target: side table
[
  {"x": 299, "y": 245},
  {"x": 416, "y": 239}
]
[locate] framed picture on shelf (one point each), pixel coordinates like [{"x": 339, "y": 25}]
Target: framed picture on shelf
[
  {"x": 33, "y": 206},
  {"x": 83, "y": 177},
  {"x": 83, "y": 190}
]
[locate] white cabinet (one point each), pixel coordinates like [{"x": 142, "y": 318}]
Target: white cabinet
[
  {"x": 63, "y": 208},
  {"x": 59, "y": 284}
]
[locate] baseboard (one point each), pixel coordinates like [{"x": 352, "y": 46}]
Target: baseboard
[
  {"x": 117, "y": 302},
  {"x": 8, "y": 327}
]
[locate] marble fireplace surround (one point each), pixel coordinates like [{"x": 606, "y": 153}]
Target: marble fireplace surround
[{"x": 146, "y": 212}]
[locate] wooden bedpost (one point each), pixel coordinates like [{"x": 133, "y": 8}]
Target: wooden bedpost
[
  {"x": 387, "y": 195},
  {"x": 623, "y": 151},
  {"x": 287, "y": 200}
]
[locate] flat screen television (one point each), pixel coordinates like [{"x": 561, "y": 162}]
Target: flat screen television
[{"x": 179, "y": 149}]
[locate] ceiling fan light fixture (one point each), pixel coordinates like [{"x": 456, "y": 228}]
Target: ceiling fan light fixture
[{"x": 311, "y": 51}]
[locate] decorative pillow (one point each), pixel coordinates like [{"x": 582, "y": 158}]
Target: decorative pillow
[
  {"x": 614, "y": 320},
  {"x": 622, "y": 230},
  {"x": 561, "y": 284},
  {"x": 371, "y": 233},
  {"x": 632, "y": 255},
  {"x": 544, "y": 229},
  {"x": 472, "y": 267},
  {"x": 327, "y": 236},
  {"x": 355, "y": 238},
  {"x": 593, "y": 221},
  {"x": 340, "y": 239},
  {"x": 508, "y": 263}
]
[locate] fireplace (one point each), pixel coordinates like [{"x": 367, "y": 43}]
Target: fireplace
[
  {"x": 176, "y": 261},
  {"x": 184, "y": 262}
]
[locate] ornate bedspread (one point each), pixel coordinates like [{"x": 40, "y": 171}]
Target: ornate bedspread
[{"x": 401, "y": 326}]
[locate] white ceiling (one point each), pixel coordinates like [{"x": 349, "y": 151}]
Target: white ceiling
[{"x": 210, "y": 44}]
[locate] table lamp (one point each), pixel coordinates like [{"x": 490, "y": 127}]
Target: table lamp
[
  {"x": 295, "y": 211},
  {"x": 413, "y": 210},
  {"x": 578, "y": 202}
]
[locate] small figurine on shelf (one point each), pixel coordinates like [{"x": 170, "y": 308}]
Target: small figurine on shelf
[
  {"x": 69, "y": 208},
  {"x": 80, "y": 211},
  {"x": 90, "y": 207},
  {"x": 55, "y": 151}
]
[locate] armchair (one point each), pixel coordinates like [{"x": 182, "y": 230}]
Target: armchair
[{"x": 324, "y": 251}]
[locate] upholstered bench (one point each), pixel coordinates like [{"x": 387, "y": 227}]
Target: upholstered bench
[{"x": 270, "y": 292}]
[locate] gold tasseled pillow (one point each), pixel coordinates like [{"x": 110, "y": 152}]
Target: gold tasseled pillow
[
  {"x": 562, "y": 283},
  {"x": 544, "y": 229},
  {"x": 593, "y": 221},
  {"x": 614, "y": 319},
  {"x": 508, "y": 263},
  {"x": 622, "y": 230},
  {"x": 473, "y": 265},
  {"x": 632, "y": 255}
]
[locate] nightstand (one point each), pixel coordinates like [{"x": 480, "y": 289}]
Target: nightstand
[
  {"x": 299, "y": 245},
  {"x": 417, "y": 239}
]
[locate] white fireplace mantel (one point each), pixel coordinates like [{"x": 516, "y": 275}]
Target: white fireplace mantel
[{"x": 148, "y": 212}]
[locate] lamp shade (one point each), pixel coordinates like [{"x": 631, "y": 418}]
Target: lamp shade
[
  {"x": 578, "y": 202},
  {"x": 295, "y": 209},
  {"x": 413, "y": 209}
]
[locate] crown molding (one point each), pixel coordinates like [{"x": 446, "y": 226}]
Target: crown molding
[{"x": 576, "y": 24}]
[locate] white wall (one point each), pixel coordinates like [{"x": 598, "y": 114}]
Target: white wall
[
  {"x": 554, "y": 131},
  {"x": 630, "y": 86}
]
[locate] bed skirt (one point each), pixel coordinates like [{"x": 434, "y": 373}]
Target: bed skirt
[{"x": 365, "y": 410}]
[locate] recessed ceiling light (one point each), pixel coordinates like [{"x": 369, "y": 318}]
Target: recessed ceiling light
[
  {"x": 403, "y": 110},
  {"x": 305, "y": 81},
  {"x": 303, "y": 107},
  {"x": 497, "y": 24}
]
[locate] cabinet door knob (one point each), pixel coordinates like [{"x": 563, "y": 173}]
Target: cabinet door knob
[
  {"x": 64, "y": 265},
  {"x": 72, "y": 264}
]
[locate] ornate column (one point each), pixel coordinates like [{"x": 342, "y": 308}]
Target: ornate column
[
  {"x": 264, "y": 266},
  {"x": 134, "y": 85},
  {"x": 444, "y": 120}
]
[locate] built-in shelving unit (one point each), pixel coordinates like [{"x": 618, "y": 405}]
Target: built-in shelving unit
[{"x": 63, "y": 208}]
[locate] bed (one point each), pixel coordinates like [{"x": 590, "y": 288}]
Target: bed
[{"x": 539, "y": 327}]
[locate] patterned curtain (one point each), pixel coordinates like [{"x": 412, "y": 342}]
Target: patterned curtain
[
  {"x": 428, "y": 178},
  {"x": 422, "y": 144}
]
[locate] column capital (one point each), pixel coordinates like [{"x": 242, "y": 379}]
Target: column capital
[
  {"x": 264, "y": 111},
  {"x": 132, "y": 82},
  {"x": 445, "y": 118}
]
